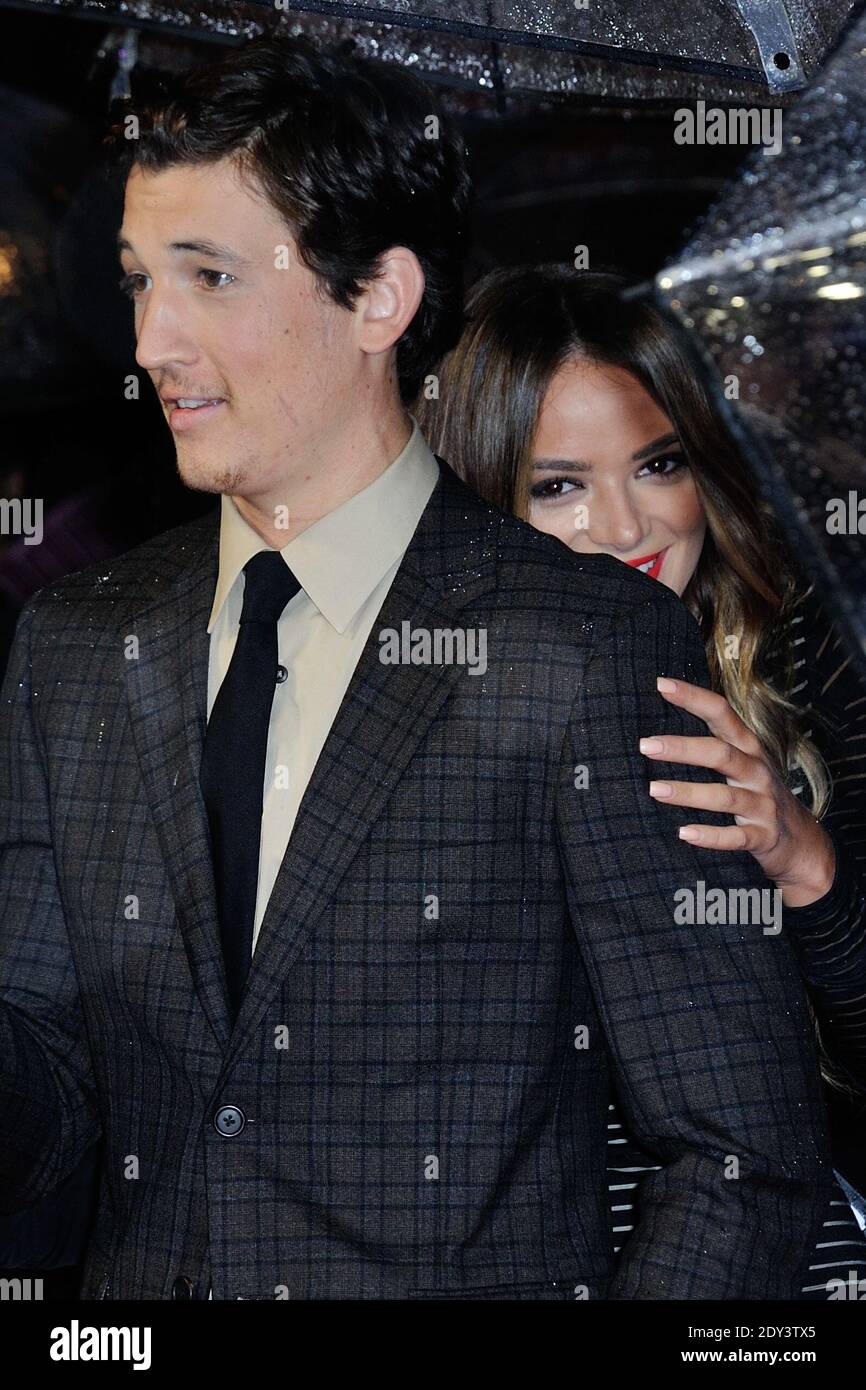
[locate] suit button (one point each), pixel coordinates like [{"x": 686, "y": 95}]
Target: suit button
[
  {"x": 182, "y": 1287},
  {"x": 229, "y": 1120},
  {"x": 282, "y": 674}
]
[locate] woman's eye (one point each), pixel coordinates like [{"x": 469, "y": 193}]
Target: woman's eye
[
  {"x": 211, "y": 275},
  {"x": 663, "y": 467},
  {"x": 552, "y": 488}
]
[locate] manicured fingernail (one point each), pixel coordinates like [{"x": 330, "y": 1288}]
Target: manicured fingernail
[
  {"x": 651, "y": 745},
  {"x": 668, "y": 686},
  {"x": 691, "y": 832},
  {"x": 660, "y": 788}
]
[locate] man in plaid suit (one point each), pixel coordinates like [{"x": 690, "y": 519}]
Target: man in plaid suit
[{"x": 379, "y": 1064}]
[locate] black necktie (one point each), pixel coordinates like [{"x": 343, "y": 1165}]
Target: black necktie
[{"x": 233, "y": 763}]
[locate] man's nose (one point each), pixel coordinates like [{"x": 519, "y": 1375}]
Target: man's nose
[
  {"x": 614, "y": 522},
  {"x": 161, "y": 337}
]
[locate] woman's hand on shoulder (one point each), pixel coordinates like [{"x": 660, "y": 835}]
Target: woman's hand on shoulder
[{"x": 792, "y": 848}]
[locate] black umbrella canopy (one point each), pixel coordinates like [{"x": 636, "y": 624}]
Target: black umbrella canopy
[
  {"x": 773, "y": 292},
  {"x": 612, "y": 49}
]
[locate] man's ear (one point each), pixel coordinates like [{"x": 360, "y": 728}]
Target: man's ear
[{"x": 388, "y": 303}]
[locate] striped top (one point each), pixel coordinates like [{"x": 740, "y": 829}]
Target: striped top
[{"x": 829, "y": 936}]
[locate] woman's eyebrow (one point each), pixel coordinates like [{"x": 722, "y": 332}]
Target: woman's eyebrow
[
  {"x": 664, "y": 441},
  {"x": 564, "y": 465}
]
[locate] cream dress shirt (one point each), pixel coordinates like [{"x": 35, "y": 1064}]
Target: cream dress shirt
[{"x": 345, "y": 564}]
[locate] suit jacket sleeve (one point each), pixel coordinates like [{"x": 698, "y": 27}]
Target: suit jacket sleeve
[
  {"x": 47, "y": 1098},
  {"x": 705, "y": 1024}
]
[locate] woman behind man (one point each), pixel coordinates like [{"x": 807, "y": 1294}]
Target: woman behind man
[{"x": 575, "y": 408}]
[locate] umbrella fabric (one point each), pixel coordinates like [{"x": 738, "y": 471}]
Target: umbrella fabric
[
  {"x": 773, "y": 293},
  {"x": 612, "y": 49}
]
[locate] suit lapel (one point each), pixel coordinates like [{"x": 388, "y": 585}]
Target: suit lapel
[
  {"x": 450, "y": 561},
  {"x": 167, "y": 691}
]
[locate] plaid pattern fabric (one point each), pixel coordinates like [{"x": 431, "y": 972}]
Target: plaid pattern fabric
[{"x": 465, "y": 947}]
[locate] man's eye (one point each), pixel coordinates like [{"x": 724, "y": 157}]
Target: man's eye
[
  {"x": 211, "y": 275},
  {"x": 128, "y": 285},
  {"x": 552, "y": 488},
  {"x": 131, "y": 285}
]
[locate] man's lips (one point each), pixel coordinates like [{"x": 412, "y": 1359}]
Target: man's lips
[
  {"x": 187, "y": 416},
  {"x": 650, "y": 564}
]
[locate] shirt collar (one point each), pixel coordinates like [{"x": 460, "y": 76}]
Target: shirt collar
[{"x": 340, "y": 559}]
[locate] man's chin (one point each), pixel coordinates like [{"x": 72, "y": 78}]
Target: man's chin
[{"x": 202, "y": 475}]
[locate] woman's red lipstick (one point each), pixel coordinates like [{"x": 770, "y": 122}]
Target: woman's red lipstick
[{"x": 650, "y": 564}]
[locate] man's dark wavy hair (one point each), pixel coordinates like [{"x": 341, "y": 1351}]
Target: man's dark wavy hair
[{"x": 341, "y": 147}]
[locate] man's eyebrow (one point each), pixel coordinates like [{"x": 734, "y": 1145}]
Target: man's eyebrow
[
  {"x": 564, "y": 465},
  {"x": 664, "y": 441},
  {"x": 212, "y": 249}
]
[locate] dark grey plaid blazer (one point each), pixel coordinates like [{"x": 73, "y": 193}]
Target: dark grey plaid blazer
[{"x": 421, "y": 1117}]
